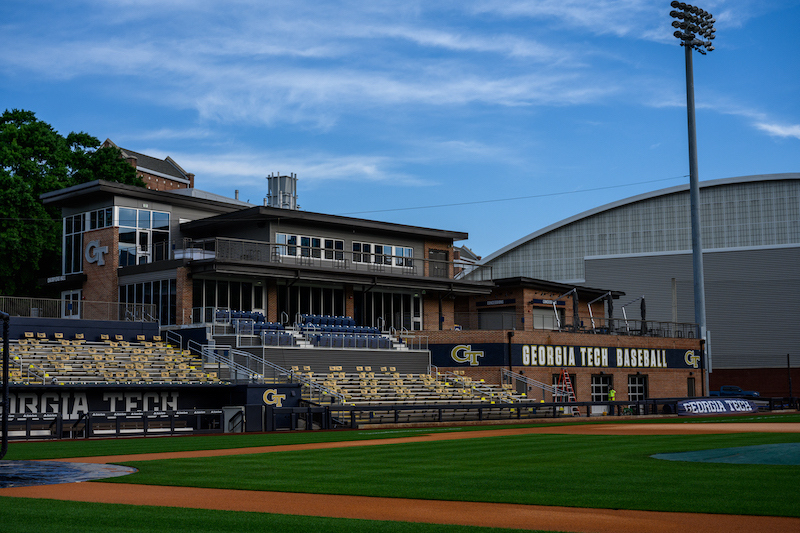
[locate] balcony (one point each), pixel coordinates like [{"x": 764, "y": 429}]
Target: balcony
[
  {"x": 600, "y": 326},
  {"x": 268, "y": 253}
]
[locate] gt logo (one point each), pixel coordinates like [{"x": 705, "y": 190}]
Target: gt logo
[
  {"x": 464, "y": 354},
  {"x": 271, "y": 397},
  {"x": 94, "y": 253},
  {"x": 691, "y": 359}
]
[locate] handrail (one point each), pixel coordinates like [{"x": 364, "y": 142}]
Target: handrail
[
  {"x": 507, "y": 374},
  {"x": 321, "y": 389},
  {"x": 214, "y": 354},
  {"x": 78, "y": 421},
  {"x": 35, "y": 373},
  {"x": 174, "y": 337},
  {"x": 278, "y": 370},
  {"x": 474, "y": 384},
  {"x": 236, "y": 420}
]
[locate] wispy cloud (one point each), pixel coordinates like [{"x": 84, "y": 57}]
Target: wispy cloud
[
  {"x": 780, "y": 130},
  {"x": 248, "y": 169}
]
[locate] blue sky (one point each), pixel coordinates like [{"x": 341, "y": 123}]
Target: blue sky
[{"x": 495, "y": 118}]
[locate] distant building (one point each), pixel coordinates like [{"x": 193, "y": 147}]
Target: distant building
[
  {"x": 642, "y": 246},
  {"x": 157, "y": 174}
]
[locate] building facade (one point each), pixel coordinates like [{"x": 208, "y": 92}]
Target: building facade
[
  {"x": 189, "y": 252},
  {"x": 181, "y": 256}
]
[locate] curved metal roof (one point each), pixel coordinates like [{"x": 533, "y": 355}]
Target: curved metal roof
[{"x": 633, "y": 200}]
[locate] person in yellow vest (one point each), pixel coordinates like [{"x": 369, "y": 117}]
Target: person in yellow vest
[{"x": 612, "y": 394}]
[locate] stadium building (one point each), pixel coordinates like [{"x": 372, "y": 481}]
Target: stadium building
[
  {"x": 183, "y": 310},
  {"x": 642, "y": 247}
]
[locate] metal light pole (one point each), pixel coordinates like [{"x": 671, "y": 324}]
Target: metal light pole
[{"x": 693, "y": 21}]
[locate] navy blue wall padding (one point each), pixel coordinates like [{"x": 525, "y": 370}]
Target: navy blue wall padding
[
  {"x": 198, "y": 335},
  {"x": 91, "y": 329}
]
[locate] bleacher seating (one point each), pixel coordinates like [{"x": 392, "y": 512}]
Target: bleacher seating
[
  {"x": 386, "y": 385},
  {"x": 37, "y": 359},
  {"x": 320, "y": 331}
]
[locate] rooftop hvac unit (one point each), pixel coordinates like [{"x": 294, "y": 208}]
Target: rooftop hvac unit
[{"x": 282, "y": 191}]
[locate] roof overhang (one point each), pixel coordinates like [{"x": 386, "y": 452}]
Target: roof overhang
[
  {"x": 540, "y": 284},
  {"x": 269, "y": 214}
]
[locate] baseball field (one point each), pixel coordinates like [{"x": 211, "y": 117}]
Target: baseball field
[{"x": 570, "y": 476}]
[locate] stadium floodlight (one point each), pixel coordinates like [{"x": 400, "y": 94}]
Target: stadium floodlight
[{"x": 691, "y": 20}]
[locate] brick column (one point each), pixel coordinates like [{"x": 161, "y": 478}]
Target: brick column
[
  {"x": 101, "y": 280},
  {"x": 183, "y": 295}
]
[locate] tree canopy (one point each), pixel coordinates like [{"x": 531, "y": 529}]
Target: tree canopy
[{"x": 35, "y": 159}]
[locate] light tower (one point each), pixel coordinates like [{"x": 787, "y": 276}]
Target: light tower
[{"x": 691, "y": 22}]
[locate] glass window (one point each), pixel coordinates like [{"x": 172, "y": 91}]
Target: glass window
[
  {"x": 127, "y": 248},
  {"x": 161, "y": 221},
  {"x": 160, "y": 245},
  {"x": 356, "y": 252},
  {"x": 127, "y": 217},
  {"x": 600, "y": 387},
  {"x": 637, "y": 387},
  {"x": 291, "y": 240},
  {"x": 77, "y": 256},
  {"x": 280, "y": 238},
  {"x": 258, "y": 297},
  {"x": 144, "y": 219}
]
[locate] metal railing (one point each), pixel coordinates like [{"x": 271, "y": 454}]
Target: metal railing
[
  {"x": 83, "y": 309},
  {"x": 511, "y": 378},
  {"x": 602, "y": 326},
  {"x": 295, "y": 255}
]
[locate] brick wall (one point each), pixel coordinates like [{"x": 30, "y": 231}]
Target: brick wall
[
  {"x": 271, "y": 302},
  {"x": 160, "y": 183},
  {"x": 522, "y": 306},
  {"x": 446, "y": 246},
  {"x": 183, "y": 295},
  {"x": 349, "y": 301},
  {"x": 661, "y": 382},
  {"x": 430, "y": 312},
  {"x": 101, "y": 280}
]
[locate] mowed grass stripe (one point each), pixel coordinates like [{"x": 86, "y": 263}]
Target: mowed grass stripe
[
  {"x": 23, "y": 515},
  {"x": 93, "y": 448},
  {"x": 565, "y": 470}
]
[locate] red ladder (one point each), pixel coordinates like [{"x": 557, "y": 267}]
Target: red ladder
[{"x": 565, "y": 384}]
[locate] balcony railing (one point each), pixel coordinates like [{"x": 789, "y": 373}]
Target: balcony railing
[
  {"x": 83, "y": 309},
  {"x": 517, "y": 321},
  {"x": 295, "y": 255}
]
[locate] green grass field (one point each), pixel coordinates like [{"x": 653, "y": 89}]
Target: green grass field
[{"x": 569, "y": 470}]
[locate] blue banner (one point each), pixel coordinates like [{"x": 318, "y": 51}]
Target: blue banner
[
  {"x": 705, "y": 406},
  {"x": 539, "y": 355}
]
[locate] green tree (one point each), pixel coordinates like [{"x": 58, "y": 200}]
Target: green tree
[{"x": 35, "y": 159}]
